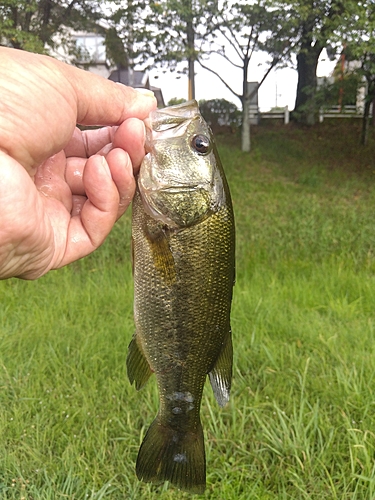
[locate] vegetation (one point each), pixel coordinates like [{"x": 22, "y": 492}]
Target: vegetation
[
  {"x": 300, "y": 423},
  {"x": 315, "y": 27},
  {"x": 43, "y": 25},
  {"x": 220, "y": 113},
  {"x": 248, "y": 27},
  {"x": 359, "y": 47},
  {"x": 146, "y": 33}
]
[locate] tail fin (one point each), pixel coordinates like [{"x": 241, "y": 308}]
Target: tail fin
[{"x": 167, "y": 454}]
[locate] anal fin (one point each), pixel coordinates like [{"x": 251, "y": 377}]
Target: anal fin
[
  {"x": 221, "y": 373},
  {"x": 138, "y": 368}
]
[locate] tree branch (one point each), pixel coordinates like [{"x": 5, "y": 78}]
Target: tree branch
[
  {"x": 272, "y": 65},
  {"x": 221, "y": 79},
  {"x": 233, "y": 42},
  {"x": 224, "y": 56}
]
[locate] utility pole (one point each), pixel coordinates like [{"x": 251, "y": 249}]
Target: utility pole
[{"x": 191, "y": 50}]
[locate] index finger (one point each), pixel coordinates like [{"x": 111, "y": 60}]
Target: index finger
[
  {"x": 129, "y": 136},
  {"x": 88, "y": 142}
]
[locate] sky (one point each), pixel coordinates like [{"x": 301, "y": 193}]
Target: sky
[{"x": 279, "y": 88}]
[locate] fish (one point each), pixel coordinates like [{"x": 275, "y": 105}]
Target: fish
[{"x": 183, "y": 241}]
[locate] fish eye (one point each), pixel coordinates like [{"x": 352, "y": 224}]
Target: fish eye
[{"x": 201, "y": 144}]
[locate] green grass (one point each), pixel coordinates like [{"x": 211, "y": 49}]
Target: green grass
[{"x": 300, "y": 423}]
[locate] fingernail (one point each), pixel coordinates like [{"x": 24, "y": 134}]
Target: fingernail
[
  {"x": 145, "y": 92},
  {"x": 106, "y": 167},
  {"x": 144, "y": 132}
]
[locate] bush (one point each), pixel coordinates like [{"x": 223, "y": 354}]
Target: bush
[
  {"x": 220, "y": 113},
  {"x": 176, "y": 100}
]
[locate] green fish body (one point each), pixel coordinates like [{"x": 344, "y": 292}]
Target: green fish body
[{"x": 183, "y": 256}]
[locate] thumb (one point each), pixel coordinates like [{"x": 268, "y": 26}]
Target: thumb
[{"x": 103, "y": 102}]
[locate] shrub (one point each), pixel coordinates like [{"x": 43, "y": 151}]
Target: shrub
[{"x": 220, "y": 113}]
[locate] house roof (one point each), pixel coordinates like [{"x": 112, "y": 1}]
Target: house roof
[{"x": 134, "y": 78}]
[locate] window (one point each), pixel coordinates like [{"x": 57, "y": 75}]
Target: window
[{"x": 91, "y": 48}]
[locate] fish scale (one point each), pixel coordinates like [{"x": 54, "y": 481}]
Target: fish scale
[{"x": 183, "y": 280}]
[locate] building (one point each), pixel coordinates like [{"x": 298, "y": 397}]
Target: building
[
  {"x": 92, "y": 55},
  {"x": 136, "y": 79}
]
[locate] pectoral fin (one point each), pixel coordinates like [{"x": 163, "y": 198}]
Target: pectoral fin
[
  {"x": 139, "y": 370},
  {"x": 161, "y": 252},
  {"x": 221, "y": 373}
]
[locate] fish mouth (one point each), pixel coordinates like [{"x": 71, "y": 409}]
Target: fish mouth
[
  {"x": 171, "y": 190},
  {"x": 181, "y": 188},
  {"x": 170, "y": 122}
]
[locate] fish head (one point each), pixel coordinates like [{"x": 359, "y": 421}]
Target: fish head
[{"x": 179, "y": 180}]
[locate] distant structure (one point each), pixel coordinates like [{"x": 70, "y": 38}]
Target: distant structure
[
  {"x": 94, "y": 58},
  {"x": 255, "y": 116},
  {"x": 136, "y": 79},
  {"x": 92, "y": 54},
  {"x": 252, "y": 89}
]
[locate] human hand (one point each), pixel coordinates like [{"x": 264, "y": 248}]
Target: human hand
[{"x": 61, "y": 190}]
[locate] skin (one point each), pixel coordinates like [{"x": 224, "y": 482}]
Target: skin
[{"x": 61, "y": 190}]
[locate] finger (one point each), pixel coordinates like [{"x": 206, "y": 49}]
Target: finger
[
  {"x": 88, "y": 142},
  {"x": 50, "y": 180},
  {"x": 103, "y": 102},
  {"x": 54, "y": 97},
  {"x": 74, "y": 175},
  {"x": 130, "y": 136},
  {"x": 88, "y": 230},
  {"x": 77, "y": 204},
  {"x": 121, "y": 168}
]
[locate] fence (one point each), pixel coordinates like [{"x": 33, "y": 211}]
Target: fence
[
  {"x": 339, "y": 112},
  {"x": 276, "y": 115},
  {"x": 347, "y": 111}
]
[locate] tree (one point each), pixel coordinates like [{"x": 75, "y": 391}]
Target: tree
[
  {"x": 167, "y": 32},
  {"x": 314, "y": 26},
  {"x": 176, "y": 31},
  {"x": 33, "y": 24},
  {"x": 245, "y": 28},
  {"x": 359, "y": 42},
  {"x": 368, "y": 70},
  {"x": 126, "y": 36}
]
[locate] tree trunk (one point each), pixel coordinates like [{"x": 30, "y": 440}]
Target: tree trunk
[
  {"x": 307, "y": 62},
  {"x": 366, "y": 112},
  {"x": 245, "y": 100},
  {"x": 365, "y": 123},
  {"x": 190, "y": 35},
  {"x": 245, "y": 129},
  {"x": 191, "y": 82}
]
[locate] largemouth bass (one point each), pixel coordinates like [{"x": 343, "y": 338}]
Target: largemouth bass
[{"x": 183, "y": 256}]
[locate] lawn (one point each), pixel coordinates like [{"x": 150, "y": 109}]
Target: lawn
[{"x": 301, "y": 420}]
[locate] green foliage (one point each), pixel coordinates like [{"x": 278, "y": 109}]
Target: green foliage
[
  {"x": 176, "y": 100},
  {"x": 220, "y": 113},
  {"x": 115, "y": 49},
  {"x": 360, "y": 46},
  {"x": 300, "y": 423},
  {"x": 156, "y": 32},
  {"x": 40, "y": 25},
  {"x": 343, "y": 89},
  {"x": 168, "y": 29},
  {"x": 249, "y": 27},
  {"x": 314, "y": 25},
  {"x": 126, "y": 37}
]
